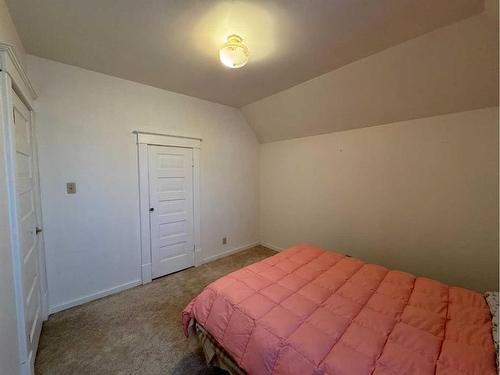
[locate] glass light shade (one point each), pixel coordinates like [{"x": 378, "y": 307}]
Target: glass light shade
[{"x": 234, "y": 54}]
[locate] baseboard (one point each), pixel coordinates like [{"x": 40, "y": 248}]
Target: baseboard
[
  {"x": 119, "y": 288},
  {"x": 92, "y": 297},
  {"x": 272, "y": 247},
  {"x": 230, "y": 252}
]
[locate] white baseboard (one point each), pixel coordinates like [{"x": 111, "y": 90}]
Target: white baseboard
[
  {"x": 145, "y": 270},
  {"x": 94, "y": 296},
  {"x": 272, "y": 247},
  {"x": 229, "y": 252}
]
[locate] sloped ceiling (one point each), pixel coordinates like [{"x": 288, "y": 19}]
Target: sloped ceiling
[
  {"x": 451, "y": 69},
  {"x": 174, "y": 44}
]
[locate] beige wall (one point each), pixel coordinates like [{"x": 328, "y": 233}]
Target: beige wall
[
  {"x": 419, "y": 195},
  {"x": 451, "y": 69},
  {"x": 85, "y": 123},
  {"x": 8, "y": 32}
]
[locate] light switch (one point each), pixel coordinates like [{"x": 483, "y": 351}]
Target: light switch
[{"x": 70, "y": 187}]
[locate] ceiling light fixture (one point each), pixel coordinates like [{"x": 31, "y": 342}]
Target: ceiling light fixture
[{"x": 234, "y": 54}]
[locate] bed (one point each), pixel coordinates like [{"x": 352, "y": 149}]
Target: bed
[{"x": 307, "y": 310}]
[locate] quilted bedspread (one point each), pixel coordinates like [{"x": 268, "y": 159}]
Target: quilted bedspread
[{"x": 311, "y": 311}]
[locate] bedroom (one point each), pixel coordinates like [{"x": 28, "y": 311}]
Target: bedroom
[{"x": 369, "y": 129}]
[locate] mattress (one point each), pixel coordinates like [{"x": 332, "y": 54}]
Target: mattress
[{"x": 307, "y": 310}]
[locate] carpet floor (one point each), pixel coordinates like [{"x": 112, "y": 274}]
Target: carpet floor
[{"x": 137, "y": 331}]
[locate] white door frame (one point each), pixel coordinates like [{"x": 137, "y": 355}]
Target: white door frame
[
  {"x": 158, "y": 139},
  {"x": 14, "y": 78}
]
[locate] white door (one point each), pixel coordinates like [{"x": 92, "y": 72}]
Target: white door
[
  {"x": 171, "y": 208},
  {"x": 26, "y": 199}
]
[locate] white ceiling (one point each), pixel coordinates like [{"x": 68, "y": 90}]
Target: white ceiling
[{"x": 174, "y": 44}]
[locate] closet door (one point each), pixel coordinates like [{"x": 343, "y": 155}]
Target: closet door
[
  {"x": 171, "y": 208},
  {"x": 29, "y": 243}
]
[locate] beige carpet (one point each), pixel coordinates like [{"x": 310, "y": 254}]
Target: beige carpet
[{"x": 137, "y": 331}]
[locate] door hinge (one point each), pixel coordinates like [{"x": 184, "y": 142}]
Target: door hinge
[{"x": 14, "y": 114}]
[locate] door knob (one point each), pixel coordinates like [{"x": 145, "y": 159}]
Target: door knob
[
  {"x": 151, "y": 209},
  {"x": 38, "y": 230}
]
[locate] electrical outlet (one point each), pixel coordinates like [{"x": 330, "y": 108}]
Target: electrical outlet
[
  {"x": 224, "y": 240},
  {"x": 71, "y": 188}
]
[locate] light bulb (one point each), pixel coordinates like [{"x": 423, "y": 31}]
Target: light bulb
[{"x": 234, "y": 54}]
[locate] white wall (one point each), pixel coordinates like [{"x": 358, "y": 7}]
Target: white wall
[
  {"x": 452, "y": 69},
  {"x": 378, "y": 209},
  {"x": 418, "y": 195},
  {"x": 9, "y": 355},
  {"x": 85, "y": 122}
]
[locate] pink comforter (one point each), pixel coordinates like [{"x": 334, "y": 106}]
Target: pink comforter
[{"x": 311, "y": 311}]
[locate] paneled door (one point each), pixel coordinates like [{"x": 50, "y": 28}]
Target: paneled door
[
  {"x": 171, "y": 208},
  {"x": 26, "y": 203}
]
